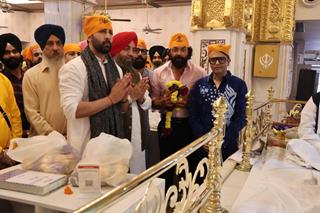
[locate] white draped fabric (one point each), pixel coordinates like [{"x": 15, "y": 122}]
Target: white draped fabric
[{"x": 277, "y": 185}]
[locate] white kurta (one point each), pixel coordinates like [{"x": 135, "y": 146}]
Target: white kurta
[
  {"x": 138, "y": 159},
  {"x": 73, "y": 85}
]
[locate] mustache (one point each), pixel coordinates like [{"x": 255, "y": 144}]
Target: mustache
[{"x": 107, "y": 42}]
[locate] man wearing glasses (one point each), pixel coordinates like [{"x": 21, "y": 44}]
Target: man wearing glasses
[
  {"x": 148, "y": 138},
  {"x": 208, "y": 89}
]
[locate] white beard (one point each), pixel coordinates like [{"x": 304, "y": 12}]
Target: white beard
[{"x": 54, "y": 63}]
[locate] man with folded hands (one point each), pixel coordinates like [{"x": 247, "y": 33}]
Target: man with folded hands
[{"x": 93, "y": 89}]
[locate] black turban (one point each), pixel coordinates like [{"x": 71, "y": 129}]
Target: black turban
[
  {"x": 11, "y": 39},
  {"x": 43, "y": 33},
  {"x": 154, "y": 49}
]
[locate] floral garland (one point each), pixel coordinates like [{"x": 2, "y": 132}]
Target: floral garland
[{"x": 178, "y": 92}]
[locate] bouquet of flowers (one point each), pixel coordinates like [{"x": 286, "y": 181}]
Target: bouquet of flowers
[{"x": 178, "y": 91}]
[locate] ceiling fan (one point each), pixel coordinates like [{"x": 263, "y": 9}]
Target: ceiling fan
[{"x": 147, "y": 29}]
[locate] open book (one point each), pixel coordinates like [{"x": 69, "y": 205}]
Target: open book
[{"x": 32, "y": 182}]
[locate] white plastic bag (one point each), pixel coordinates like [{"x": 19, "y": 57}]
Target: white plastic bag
[
  {"x": 49, "y": 153},
  {"x": 112, "y": 154},
  {"x": 21, "y": 148},
  {"x": 60, "y": 160}
]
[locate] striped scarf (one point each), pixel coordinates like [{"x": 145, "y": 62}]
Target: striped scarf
[{"x": 109, "y": 120}]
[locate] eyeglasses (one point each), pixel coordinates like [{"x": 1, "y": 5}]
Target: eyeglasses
[
  {"x": 221, "y": 60},
  {"x": 137, "y": 50}
]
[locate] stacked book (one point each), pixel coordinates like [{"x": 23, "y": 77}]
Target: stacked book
[{"x": 32, "y": 182}]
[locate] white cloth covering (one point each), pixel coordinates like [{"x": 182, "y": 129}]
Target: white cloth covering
[
  {"x": 278, "y": 186},
  {"x": 303, "y": 153},
  {"x": 307, "y": 124}
]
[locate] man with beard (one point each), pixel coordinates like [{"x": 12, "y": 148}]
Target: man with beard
[
  {"x": 32, "y": 55},
  {"x": 151, "y": 116},
  {"x": 208, "y": 89},
  {"x": 181, "y": 69},
  {"x": 10, "y": 56},
  {"x": 93, "y": 89},
  {"x": 155, "y": 54},
  {"x": 40, "y": 84},
  {"x": 122, "y": 49},
  {"x": 130, "y": 54}
]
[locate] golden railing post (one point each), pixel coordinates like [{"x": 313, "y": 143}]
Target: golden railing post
[
  {"x": 269, "y": 107},
  {"x": 214, "y": 157},
  {"x": 247, "y": 142}
]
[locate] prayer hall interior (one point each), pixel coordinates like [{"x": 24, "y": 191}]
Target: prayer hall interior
[{"x": 271, "y": 49}]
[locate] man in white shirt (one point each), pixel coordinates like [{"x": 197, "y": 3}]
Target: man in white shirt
[
  {"x": 93, "y": 89},
  {"x": 125, "y": 49}
]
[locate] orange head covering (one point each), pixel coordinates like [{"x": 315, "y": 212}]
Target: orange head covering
[
  {"x": 141, "y": 44},
  {"x": 179, "y": 40},
  {"x": 28, "y": 51},
  {"x": 148, "y": 63},
  {"x": 95, "y": 23},
  {"x": 71, "y": 47},
  {"x": 25, "y": 53},
  {"x": 223, "y": 48}
]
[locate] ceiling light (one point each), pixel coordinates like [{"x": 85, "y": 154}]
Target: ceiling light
[{"x": 23, "y": 2}]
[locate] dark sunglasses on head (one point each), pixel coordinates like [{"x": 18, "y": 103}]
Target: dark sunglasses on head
[
  {"x": 137, "y": 50},
  {"x": 221, "y": 60}
]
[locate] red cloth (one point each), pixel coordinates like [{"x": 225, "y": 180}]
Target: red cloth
[{"x": 121, "y": 41}]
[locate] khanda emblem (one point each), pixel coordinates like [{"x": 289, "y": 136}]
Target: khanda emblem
[
  {"x": 103, "y": 20},
  {"x": 266, "y": 61},
  {"x": 179, "y": 39}
]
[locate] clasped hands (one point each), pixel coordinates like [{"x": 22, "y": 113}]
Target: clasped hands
[
  {"x": 166, "y": 102},
  {"x": 124, "y": 87}
]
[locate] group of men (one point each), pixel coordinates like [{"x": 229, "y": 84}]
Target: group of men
[{"x": 106, "y": 88}]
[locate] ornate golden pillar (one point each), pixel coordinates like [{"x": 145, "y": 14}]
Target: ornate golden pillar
[
  {"x": 219, "y": 21},
  {"x": 217, "y": 14},
  {"x": 262, "y": 20}
]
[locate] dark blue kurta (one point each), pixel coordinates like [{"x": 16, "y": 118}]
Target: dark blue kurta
[{"x": 204, "y": 93}]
